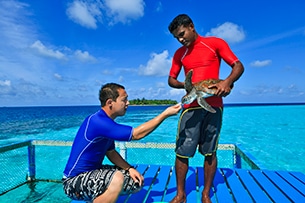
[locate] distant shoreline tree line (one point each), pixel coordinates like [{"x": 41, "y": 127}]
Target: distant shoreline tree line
[{"x": 144, "y": 101}]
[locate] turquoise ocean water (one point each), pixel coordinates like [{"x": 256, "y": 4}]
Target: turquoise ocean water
[{"x": 273, "y": 134}]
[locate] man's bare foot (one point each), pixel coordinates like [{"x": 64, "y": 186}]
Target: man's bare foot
[
  {"x": 205, "y": 199},
  {"x": 178, "y": 199}
]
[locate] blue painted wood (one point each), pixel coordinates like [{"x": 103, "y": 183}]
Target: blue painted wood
[
  {"x": 171, "y": 187},
  {"x": 229, "y": 185},
  {"x": 286, "y": 188},
  {"x": 299, "y": 175},
  {"x": 274, "y": 193},
  {"x": 293, "y": 180},
  {"x": 237, "y": 188},
  {"x": 200, "y": 173},
  {"x": 158, "y": 188},
  {"x": 220, "y": 187},
  {"x": 149, "y": 178},
  {"x": 252, "y": 187},
  {"x": 190, "y": 184},
  {"x": 124, "y": 198}
]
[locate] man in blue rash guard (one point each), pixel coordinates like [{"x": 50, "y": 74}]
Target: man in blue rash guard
[{"x": 85, "y": 178}]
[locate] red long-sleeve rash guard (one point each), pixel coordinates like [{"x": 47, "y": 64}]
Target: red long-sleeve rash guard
[{"x": 203, "y": 57}]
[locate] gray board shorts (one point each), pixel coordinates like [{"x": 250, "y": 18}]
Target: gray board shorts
[{"x": 198, "y": 127}]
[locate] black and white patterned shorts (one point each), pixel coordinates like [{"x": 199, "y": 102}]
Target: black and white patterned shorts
[{"x": 87, "y": 186}]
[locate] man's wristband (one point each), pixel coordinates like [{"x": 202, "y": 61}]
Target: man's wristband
[{"x": 129, "y": 167}]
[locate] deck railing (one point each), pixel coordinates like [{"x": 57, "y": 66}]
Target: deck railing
[{"x": 44, "y": 160}]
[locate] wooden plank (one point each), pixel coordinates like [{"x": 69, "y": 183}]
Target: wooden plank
[
  {"x": 171, "y": 189},
  {"x": 149, "y": 177},
  {"x": 200, "y": 173},
  {"x": 293, "y": 180},
  {"x": 221, "y": 189},
  {"x": 157, "y": 191},
  {"x": 239, "y": 192},
  {"x": 286, "y": 188},
  {"x": 190, "y": 185},
  {"x": 300, "y": 176},
  {"x": 251, "y": 185},
  {"x": 273, "y": 192}
]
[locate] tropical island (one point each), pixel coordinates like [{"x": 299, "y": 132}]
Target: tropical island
[{"x": 144, "y": 101}]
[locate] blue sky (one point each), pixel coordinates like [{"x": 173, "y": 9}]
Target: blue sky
[{"x": 60, "y": 52}]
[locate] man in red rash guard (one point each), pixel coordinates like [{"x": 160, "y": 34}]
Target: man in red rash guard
[{"x": 198, "y": 127}]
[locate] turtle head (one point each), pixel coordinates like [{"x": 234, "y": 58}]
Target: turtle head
[
  {"x": 185, "y": 100},
  {"x": 189, "y": 98}
]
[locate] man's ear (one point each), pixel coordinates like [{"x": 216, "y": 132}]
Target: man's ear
[
  {"x": 109, "y": 102},
  {"x": 191, "y": 26}
]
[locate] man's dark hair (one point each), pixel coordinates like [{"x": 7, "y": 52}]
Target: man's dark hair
[
  {"x": 179, "y": 20},
  {"x": 109, "y": 91}
]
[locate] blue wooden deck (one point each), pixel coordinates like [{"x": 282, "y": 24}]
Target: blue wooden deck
[{"x": 230, "y": 185}]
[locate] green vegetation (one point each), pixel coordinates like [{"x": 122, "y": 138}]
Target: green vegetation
[{"x": 144, "y": 101}]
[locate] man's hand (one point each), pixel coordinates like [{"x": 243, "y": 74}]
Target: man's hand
[
  {"x": 223, "y": 88},
  {"x": 136, "y": 176},
  {"x": 173, "y": 110}
]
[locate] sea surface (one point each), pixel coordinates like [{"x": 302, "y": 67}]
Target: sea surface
[{"x": 274, "y": 134}]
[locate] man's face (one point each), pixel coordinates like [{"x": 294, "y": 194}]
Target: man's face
[
  {"x": 121, "y": 104},
  {"x": 186, "y": 35}
]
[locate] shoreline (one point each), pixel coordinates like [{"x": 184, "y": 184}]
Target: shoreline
[{"x": 225, "y": 105}]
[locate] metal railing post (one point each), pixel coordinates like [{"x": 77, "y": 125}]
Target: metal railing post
[
  {"x": 236, "y": 159},
  {"x": 31, "y": 160},
  {"x": 123, "y": 150},
  {"x": 237, "y": 163}
]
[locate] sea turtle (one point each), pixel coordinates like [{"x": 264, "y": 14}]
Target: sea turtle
[{"x": 199, "y": 91}]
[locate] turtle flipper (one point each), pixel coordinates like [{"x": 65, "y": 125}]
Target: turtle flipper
[
  {"x": 204, "y": 104},
  {"x": 188, "y": 86}
]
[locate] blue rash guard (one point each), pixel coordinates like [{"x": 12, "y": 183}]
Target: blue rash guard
[{"x": 94, "y": 138}]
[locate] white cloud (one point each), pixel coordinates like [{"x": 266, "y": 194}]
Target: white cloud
[
  {"x": 229, "y": 32},
  {"x": 158, "y": 64},
  {"x": 124, "y": 10},
  {"x": 160, "y": 85},
  {"x": 121, "y": 79},
  {"x": 83, "y": 56},
  {"x": 88, "y": 13},
  {"x": 85, "y": 13},
  {"x": 58, "y": 76},
  {"x": 65, "y": 54},
  {"x": 159, "y": 7},
  {"x": 261, "y": 63},
  {"x": 15, "y": 28},
  {"x": 107, "y": 72},
  {"x": 177, "y": 92},
  {"x": 43, "y": 50},
  {"x": 5, "y": 83}
]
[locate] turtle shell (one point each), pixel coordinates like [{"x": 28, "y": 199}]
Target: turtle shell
[{"x": 204, "y": 84}]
